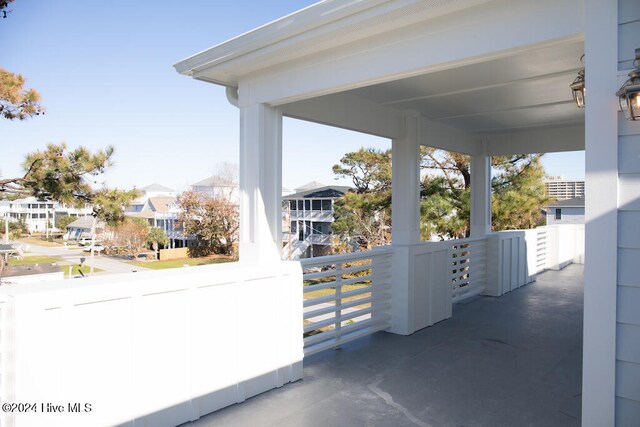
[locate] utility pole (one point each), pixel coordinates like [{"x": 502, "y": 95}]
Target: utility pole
[{"x": 6, "y": 228}]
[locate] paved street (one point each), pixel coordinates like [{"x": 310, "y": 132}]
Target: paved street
[{"x": 72, "y": 255}]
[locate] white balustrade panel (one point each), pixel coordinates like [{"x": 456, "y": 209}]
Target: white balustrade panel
[
  {"x": 345, "y": 297},
  {"x": 154, "y": 348}
]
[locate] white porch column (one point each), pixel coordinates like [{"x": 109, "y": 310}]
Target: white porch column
[
  {"x": 480, "y": 195},
  {"x": 260, "y": 183},
  {"x": 405, "y": 223},
  {"x": 601, "y": 214},
  {"x": 406, "y": 184}
]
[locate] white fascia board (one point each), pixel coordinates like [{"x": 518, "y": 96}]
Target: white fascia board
[
  {"x": 319, "y": 27},
  {"x": 349, "y": 112},
  {"x": 288, "y": 26},
  {"x": 538, "y": 140},
  {"x": 445, "y": 137},
  {"x": 492, "y": 30}
]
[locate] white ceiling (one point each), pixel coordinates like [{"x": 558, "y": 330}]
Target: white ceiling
[{"x": 523, "y": 90}]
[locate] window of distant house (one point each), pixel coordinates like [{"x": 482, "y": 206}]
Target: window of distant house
[
  {"x": 316, "y": 205},
  {"x": 292, "y": 205},
  {"x": 326, "y": 205},
  {"x": 307, "y": 205},
  {"x": 300, "y": 205},
  {"x": 558, "y": 213}
]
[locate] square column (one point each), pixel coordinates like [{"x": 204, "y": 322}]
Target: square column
[
  {"x": 405, "y": 156},
  {"x": 260, "y": 183},
  {"x": 480, "y": 195},
  {"x": 602, "y": 261},
  {"x": 405, "y": 223}
]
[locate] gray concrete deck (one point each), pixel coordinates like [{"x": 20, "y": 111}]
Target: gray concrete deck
[{"x": 509, "y": 361}]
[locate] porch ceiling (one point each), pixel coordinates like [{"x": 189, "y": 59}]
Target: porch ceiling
[{"x": 528, "y": 89}]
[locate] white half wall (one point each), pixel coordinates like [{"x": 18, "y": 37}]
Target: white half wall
[{"x": 155, "y": 348}]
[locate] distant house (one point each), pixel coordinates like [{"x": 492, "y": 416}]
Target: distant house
[
  {"x": 217, "y": 187},
  {"x": 39, "y": 215},
  {"x": 307, "y": 218},
  {"x": 81, "y": 228},
  {"x": 159, "y": 206},
  {"x": 568, "y": 211}
]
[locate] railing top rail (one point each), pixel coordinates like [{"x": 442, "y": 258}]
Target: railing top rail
[
  {"x": 332, "y": 259},
  {"x": 454, "y": 242},
  {"x": 467, "y": 240}
]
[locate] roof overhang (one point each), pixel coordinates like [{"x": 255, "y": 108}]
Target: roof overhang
[
  {"x": 484, "y": 76},
  {"x": 319, "y": 27}
]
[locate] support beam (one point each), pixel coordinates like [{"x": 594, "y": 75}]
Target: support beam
[
  {"x": 480, "y": 195},
  {"x": 349, "y": 112},
  {"x": 545, "y": 140},
  {"x": 354, "y": 113},
  {"x": 260, "y": 183},
  {"x": 445, "y": 137}
]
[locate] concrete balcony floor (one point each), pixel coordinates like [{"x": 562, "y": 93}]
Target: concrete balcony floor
[{"x": 509, "y": 361}]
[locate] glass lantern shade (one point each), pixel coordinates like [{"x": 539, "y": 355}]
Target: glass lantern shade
[
  {"x": 578, "y": 90},
  {"x": 629, "y": 93}
]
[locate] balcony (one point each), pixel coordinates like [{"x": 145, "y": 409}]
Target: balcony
[
  {"x": 163, "y": 348},
  {"x": 509, "y": 361}
]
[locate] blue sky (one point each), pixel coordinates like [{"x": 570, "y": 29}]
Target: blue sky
[{"x": 105, "y": 73}]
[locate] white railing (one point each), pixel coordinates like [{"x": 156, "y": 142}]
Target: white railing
[
  {"x": 154, "y": 348},
  {"x": 320, "y": 239},
  {"x": 320, "y": 216},
  {"x": 469, "y": 262},
  {"x": 345, "y": 297},
  {"x": 294, "y": 249},
  {"x": 542, "y": 248}
]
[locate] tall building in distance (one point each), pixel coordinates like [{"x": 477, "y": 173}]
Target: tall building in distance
[{"x": 562, "y": 189}]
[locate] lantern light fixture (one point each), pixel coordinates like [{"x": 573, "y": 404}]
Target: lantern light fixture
[
  {"x": 629, "y": 92},
  {"x": 578, "y": 89}
]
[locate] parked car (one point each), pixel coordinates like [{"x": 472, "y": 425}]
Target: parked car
[{"x": 96, "y": 248}]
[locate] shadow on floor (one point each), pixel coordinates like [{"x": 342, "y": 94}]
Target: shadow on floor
[{"x": 509, "y": 361}]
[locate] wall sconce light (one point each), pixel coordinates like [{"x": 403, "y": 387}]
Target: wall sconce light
[
  {"x": 578, "y": 89},
  {"x": 629, "y": 93}
]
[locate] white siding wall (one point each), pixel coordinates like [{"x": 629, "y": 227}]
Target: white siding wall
[
  {"x": 628, "y": 312},
  {"x": 570, "y": 215}
]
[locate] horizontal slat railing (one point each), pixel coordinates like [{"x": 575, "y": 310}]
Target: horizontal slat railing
[
  {"x": 469, "y": 261},
  {"x": 542, "y": 249},
  {"x": 345, "y": 297}
]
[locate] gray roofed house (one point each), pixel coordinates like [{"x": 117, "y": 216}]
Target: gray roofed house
[
  {"x": 307, "y": 219},
  {"x": 567, "y": 211},
  {"x": 81, "y": 228},
  {"x": 216, "y": 186},
  {"x": 309, "y": 186},
  {"x": 156, "y": 188},
  {"x": 322, "y": 192}
]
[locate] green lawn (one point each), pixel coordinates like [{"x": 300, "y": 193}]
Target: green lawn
[
  {"x": 76, "y": 270},
  {"x": 176, "y": 263},
  {"x": 38, "y": 259},
  {"x": 41, "y": 242},
  {"x": 48, "y": 260}
]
